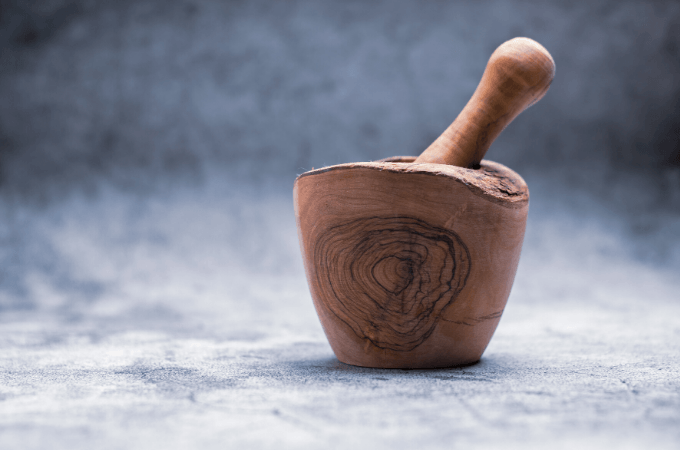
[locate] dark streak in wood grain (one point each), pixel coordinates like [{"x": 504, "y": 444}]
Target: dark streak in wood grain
[{"x": 472, "y": 321}]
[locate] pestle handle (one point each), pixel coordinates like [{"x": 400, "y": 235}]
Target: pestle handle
[{"x": 517, "y": 75}]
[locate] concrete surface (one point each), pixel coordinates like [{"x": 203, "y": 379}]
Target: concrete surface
[
  {"x": 151, "y": 289},
  {"x": 183, "y": 320}
]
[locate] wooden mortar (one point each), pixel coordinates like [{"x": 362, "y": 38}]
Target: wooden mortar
[{"x": 410, "y": 261}]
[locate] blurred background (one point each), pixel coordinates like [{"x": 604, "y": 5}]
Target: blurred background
[
  {"x": 137, "y": 93},
  {"x": 142, "y": 98},
  {"x": 148, "y": 151}
]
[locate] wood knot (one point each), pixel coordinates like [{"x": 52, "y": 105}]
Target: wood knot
[{"x": 390, "y": 278}]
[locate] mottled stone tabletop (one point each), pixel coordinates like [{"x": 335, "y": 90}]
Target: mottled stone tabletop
[{"x": 183, "y": 320}]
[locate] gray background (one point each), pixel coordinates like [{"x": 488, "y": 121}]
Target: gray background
[{"x": 152, "y": 292}]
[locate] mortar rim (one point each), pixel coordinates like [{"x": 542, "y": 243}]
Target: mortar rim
[{"x": 492, "y": 181}]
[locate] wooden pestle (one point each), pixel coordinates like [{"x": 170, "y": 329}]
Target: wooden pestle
[{"x": 517, "y": 75}]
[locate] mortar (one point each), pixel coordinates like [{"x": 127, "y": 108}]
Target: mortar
[{"x": 410, "y": 261}]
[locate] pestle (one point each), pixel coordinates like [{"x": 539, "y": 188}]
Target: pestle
[
  {"x": 410, "y": 261},
  {"x": 517, "y": 75}
]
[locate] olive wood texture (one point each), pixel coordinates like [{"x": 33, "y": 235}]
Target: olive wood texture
[
  {"x": 410, "y": 262},
  {"x": 410, "y": 265},
  {"x": 517, "y": 75}
]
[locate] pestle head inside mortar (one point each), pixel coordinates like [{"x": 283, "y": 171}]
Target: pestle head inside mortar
[{"x": 410, "y": 261}]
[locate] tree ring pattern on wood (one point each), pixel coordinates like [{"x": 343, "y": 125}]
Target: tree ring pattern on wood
[{"x": 390, "y": 278}]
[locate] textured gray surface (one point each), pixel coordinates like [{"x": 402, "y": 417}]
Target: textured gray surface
[
  {"x": 184, "y": 321},
  {"x": 152, "y": 293}
]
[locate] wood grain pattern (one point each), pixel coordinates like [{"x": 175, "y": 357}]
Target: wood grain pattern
[
  {"x": 390, "y": 278},
  {"x": 517, "y": 75},
  {"x": 410, "y": 265}
]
